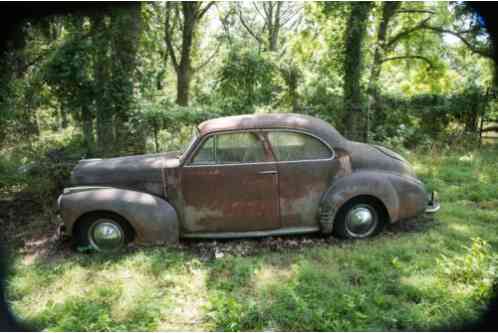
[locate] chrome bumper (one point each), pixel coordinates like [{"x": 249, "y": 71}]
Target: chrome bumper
[
  {"x": 61, "y": 229},
  {"x": 433, "y": 204}
]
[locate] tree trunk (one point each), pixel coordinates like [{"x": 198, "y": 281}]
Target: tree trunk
[
  {"x": 86, "y": 117},
  {"x": 28, "y": 119},
  {"x": 63, "y": 116},
  {"x": 183, "y": 73},
  {"x": 388, "y": 10},
  {"x": 183, "y": 86},
  {"x": 104, "y": 121},
  {"x": 273, "y": 22},
  {"x": 126, "y": 36},
  {"x": 354, "y": 117}
]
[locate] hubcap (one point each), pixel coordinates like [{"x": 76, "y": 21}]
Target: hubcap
[
  {"x": 361, "y": 221},
  {"x": 106, "y": 235}
]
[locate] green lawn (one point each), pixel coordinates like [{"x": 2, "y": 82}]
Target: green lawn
[{"x": 415, "y": 276}]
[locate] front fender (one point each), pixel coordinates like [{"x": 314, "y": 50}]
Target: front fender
[
  {"x": 154, "y": 220},
  {"x": 371, "y": 183}
]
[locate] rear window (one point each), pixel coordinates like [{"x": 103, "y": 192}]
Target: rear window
[{"x": 292, "y": 146}]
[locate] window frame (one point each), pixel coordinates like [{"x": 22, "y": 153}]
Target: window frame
[
  {"x": 302, "y": 132},
  {"x": 264, "y": 144}
]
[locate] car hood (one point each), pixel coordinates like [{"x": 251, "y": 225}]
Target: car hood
[
  {"x": 375, "y": 157},
  {"x": 128, "y": 171}
]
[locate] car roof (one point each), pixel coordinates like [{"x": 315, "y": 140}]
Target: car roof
[{"x": 292, "y": 121}]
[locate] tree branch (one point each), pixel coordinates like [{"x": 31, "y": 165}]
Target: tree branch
[
  {"x": 405, "y": 33},
  {"x": 258, "y": 11},
  {"x": 414, "y": 11},
  {"x": 427, "y": 60},
  {"x": 483, "y": 52},
  {"x": 204, "y": 11},
  {"x": 168, "y": 37},
  {"x": 249, "y": 30},
  {"x": 208, "y": 60}
]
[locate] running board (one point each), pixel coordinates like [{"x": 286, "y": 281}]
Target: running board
[{"x": 250, "y": 234}]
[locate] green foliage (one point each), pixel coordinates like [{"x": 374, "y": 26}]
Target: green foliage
[
  {"x": 476, "y": 268},
  {"x": 246, "y": 80}
]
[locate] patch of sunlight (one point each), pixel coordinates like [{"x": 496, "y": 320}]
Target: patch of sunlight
[
  {"x": 72, "y": 283},
  {"x": 467, "y": 157},
  {"x": 135, "y": 285},
  {"x": 419, "y": 281},
  {"x": 268, "y": 275},
  {"x": 483, "y": 177},
  {"x": 463, "y": 228},
  {"x": 420, "y": 167},
  {"x": 190, "y": 299}
]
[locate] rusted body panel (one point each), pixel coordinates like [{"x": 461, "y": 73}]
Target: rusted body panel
[
  {"x": 164, "y": 196},
  {"x": 141, "y": 173},
  {"x": 229, "y": 198},
  {"x": 153, "y": 219},
  {"x": 301, "y": 186}
]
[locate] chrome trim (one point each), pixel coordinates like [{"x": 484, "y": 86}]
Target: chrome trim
[
  {"x": 359, "y": 216},
  {"x": 59, "y": 200},
  {"x": 69, "y": 190},
  {"x": 305, "y": 133},
  {"x": 106, "y": 235},
  {"x": 269, "y": 172},
  {"x": 433, "y": 208},
  {"x": 279, "y": 129},
  {"x": 433, "y": 204},
  {"x": 205, "y": 138},
  {"x": 244, "y": 234}
]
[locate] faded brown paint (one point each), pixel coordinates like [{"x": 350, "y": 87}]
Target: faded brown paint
[
  {"x": 230, "y": 198},
  {"x": 163, "y": 197},
  {"x": 146, "y": 213}
]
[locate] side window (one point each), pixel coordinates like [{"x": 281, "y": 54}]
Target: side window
[
  {"x": 292, "y": 146},
  {"x": 239, "y": 148},
  {"x": 230, "y": 148},
  {"x": 205, "y": 155}
]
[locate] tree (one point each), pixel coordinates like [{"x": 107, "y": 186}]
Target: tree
[
  {"x": 187, "y": 16},
  {"x": 67, "y": 72},
  {"x": 102, "y": 76},
  {"x": 388, "y": 10},
  {"x": 354, "y": 115},
  {"x": 126, "y": 31},
  {"x": 387, "y": 44},
  {"x": 273, "y": 17}
]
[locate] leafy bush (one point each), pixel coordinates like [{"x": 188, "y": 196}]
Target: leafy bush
[{"x": 476, "y": 268}]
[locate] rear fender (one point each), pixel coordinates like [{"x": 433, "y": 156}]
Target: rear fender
[
  {"x": 153, "y": 219},
  {"x": 370, "y": 183}
]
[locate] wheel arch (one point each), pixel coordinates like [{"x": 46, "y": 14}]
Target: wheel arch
[
  {"x": 153, "y": 220},
  {"x": 371, "y": 185}
]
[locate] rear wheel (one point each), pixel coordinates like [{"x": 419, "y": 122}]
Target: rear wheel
[
  {"x": 103, "y": 232},
  {"x": 359, "y": 218}
]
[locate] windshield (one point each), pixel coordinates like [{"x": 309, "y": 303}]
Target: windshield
[{"x": 187, "y": 147}]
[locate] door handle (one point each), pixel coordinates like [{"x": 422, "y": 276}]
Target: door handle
[{"x": 269, "y": 172}]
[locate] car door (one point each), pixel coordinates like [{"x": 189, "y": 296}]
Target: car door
[
  {"x": 306, "y": 167},
  {"x": 229, "y": 184}
]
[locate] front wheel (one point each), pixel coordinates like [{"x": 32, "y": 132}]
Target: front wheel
[
  {"x": 359, "y": 219},
  {"x": 104, "y": 232}
]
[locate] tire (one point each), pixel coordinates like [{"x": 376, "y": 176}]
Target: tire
[
  {"x": 359, "y": 218},
  {"x": 114, "y": 231}
]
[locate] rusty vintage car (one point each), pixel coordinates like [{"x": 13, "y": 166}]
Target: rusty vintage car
[{"x": 243, "y": 176}]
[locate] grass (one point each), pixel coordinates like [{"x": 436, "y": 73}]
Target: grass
[{"x": 437, "y": 275}]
